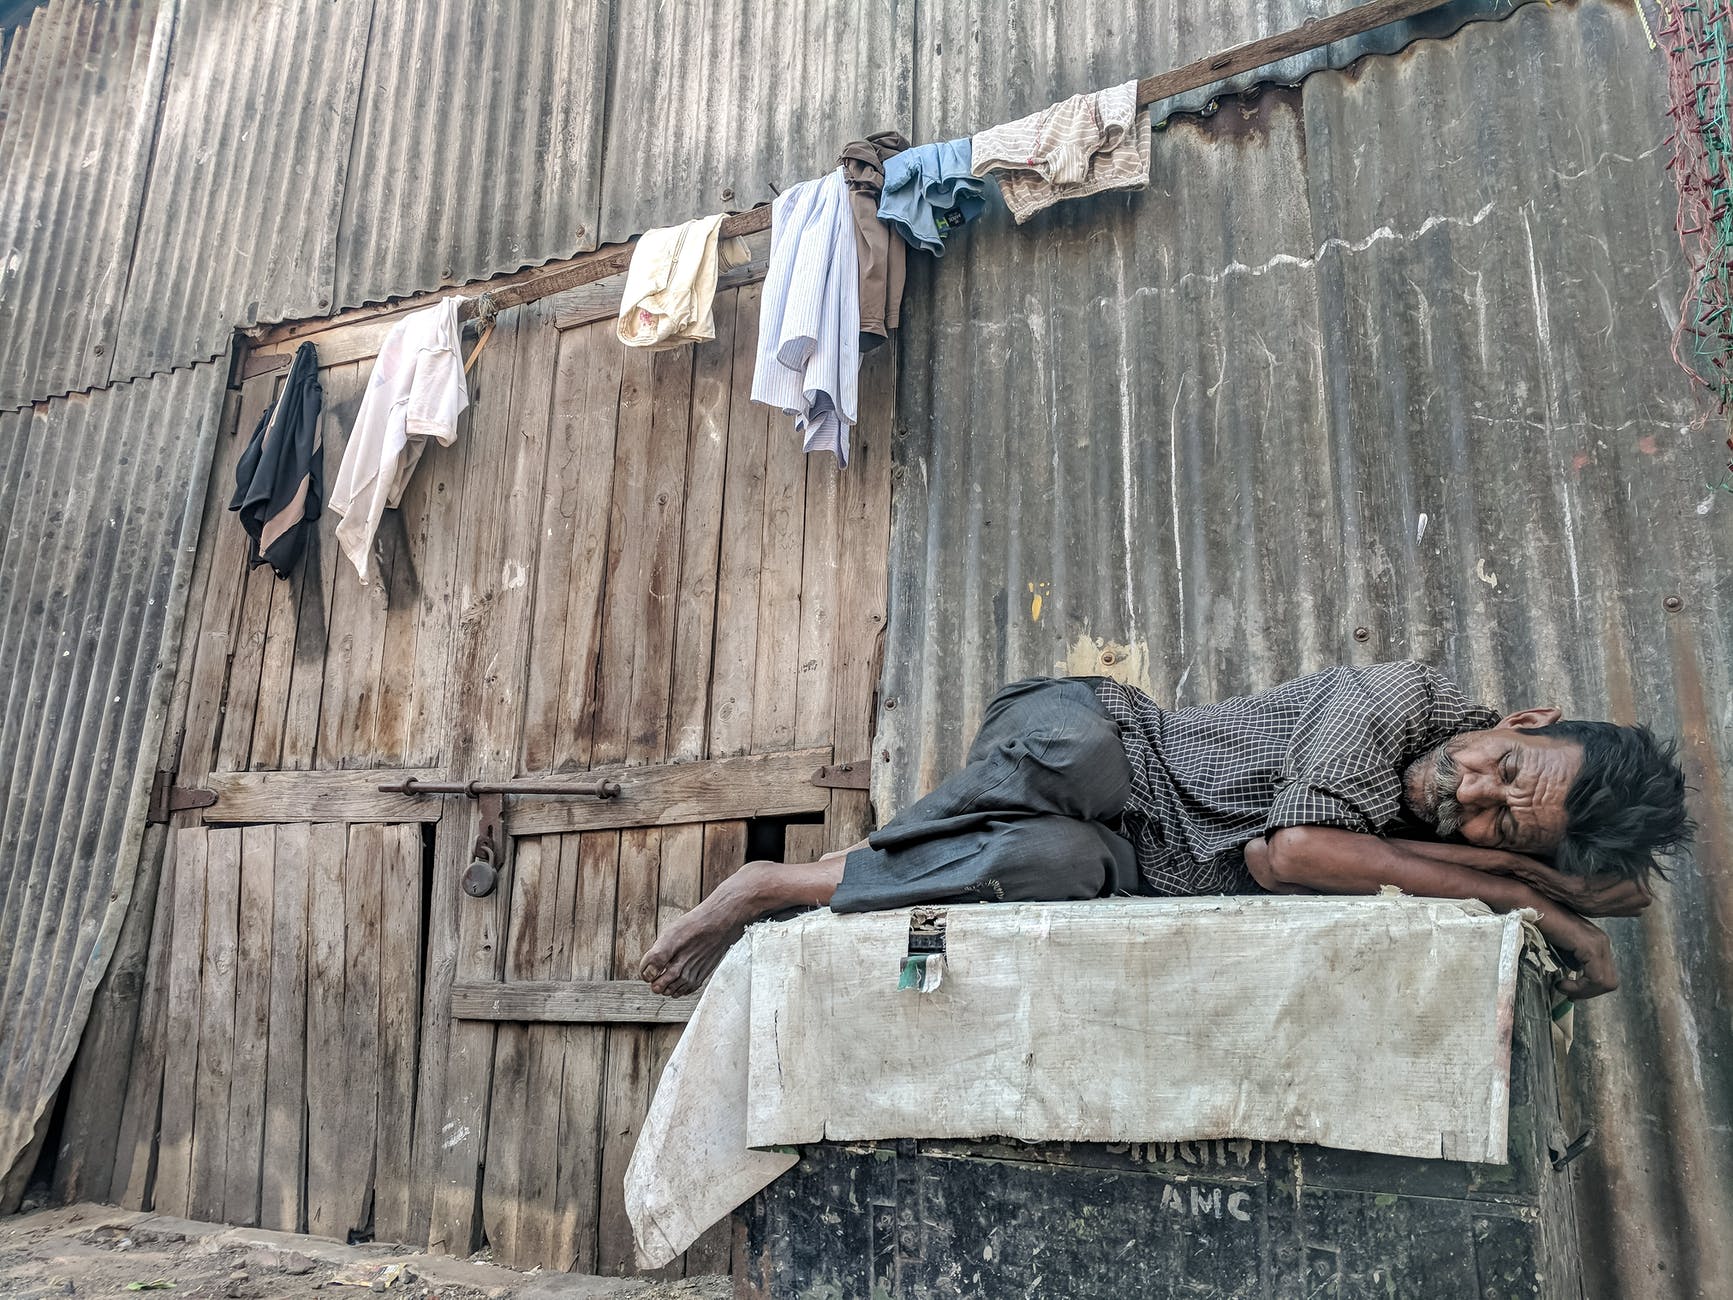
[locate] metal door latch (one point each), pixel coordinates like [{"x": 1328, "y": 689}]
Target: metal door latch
[
  {"x": 482, "y": 874},
  {"x": 481, "y": 877}
]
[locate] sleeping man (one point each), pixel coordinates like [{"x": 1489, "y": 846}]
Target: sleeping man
[{"x": 1339, "y": 782}]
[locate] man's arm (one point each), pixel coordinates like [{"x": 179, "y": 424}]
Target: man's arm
[
  {"x": 1603, "y": 895},
  {"x": 1327, "y": 860}
]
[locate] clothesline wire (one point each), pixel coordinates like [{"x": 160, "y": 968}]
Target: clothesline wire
[{"x": 1206, "y": 71}]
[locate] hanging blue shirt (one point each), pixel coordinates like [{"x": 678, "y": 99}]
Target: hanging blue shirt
[{"x": 930, "y": 191}]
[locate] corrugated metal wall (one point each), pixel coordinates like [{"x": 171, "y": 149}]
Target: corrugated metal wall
[
  {"x": 1389, "y": 352},
  {"x": 78, "y": 103},
  {"x": 100, "y": 497}
]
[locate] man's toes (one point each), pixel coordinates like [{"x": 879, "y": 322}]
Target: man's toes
[{"x": 650, "y": 968}]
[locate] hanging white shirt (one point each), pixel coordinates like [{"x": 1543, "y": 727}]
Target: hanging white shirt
[
  {"x": 809, "y": 318},
  {"x": 416, "y": 392}
]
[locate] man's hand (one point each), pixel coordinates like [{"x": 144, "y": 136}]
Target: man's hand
[
  {"x": 1587, "y": 946},
  {"x": 1602, "y": 895}
]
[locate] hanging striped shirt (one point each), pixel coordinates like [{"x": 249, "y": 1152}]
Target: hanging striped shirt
[{"x": 809, "y": 317}]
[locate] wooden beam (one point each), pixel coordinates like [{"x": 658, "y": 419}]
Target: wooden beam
[
  {"x": 569, "y": 1002},
  {"x": 1273, "y": 49},
  {"x": 671, "y": 794},
  {"x": 544, "y": 281},
  {"x": 352, "y": 795}
]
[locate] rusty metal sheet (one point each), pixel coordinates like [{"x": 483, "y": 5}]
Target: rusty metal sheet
[
  {"x": 78, "y": 101},
  {"x": 721, "y": 104},
  {"x": 240, "y": 218},
  {"x": 100, "y": 497},
  {"x": 1388, "y": 356},
  {"x": 477, "y": 144}
]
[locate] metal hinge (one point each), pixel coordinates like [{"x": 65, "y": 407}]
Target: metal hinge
[
  {"x": 166, "y": 798},
  {"x": 845, "y": 776}
]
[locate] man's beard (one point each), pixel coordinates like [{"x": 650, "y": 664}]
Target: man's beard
[{"x": 1439, "y": 778}]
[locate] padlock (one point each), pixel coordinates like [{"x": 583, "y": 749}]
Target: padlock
[{"x": 480, "y": 877}]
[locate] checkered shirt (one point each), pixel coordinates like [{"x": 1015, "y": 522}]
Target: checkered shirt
[{"x": 1327, "y": 749}]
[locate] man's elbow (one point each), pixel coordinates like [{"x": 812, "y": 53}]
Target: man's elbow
[{"x": 1287, "y": 860}]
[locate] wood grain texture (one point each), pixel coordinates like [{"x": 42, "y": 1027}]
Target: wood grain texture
[
  {"x": 496, "y": 572},
  {"x": 571, "y": 575},
  {"x": 246, "y": 663},
  {"x": 717, "y": 789},
  {"x": 572, "y": 1002},
  {"x": 734, "y": 654},
  {"x": 244, "y": 1164},
  {"x": 220, "y": 609},
  {"x": 700, "y": 543},
  {"x": 581, "y": 1113},
  {"x": 631, "y": 1051},
  {"x": 208, "y": 1183},
  {"x": 327, "y": 1081},
  {"x": 776, "y": 687},
  {"x": 276, "y": 670},
  {"x": 863, "y": 537},
  {"x": 399, "y": 1012},
  {"x": 280, "y": 1191},
  {"x": 181, "y": 1049},
  {"x": 256, "y": 798},
  {"x": 362, "y": 943}
]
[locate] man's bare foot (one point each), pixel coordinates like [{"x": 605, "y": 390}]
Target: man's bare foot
[{"x": 687, "y": 952}]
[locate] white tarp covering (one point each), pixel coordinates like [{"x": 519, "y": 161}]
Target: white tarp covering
[{"x": 1372, "y": 1024}]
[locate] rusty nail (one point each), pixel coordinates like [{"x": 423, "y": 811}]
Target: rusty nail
[
  {"x": 1673, "y": 604},
  {"x": 728, "y": 196},
  {"x": 884, "y": 755},
  {"x": 891, "y": 703},
  {"x": 1362, "y": 634}
]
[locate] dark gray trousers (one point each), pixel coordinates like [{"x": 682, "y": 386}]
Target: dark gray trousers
[{"x": 1024, "y": 820}]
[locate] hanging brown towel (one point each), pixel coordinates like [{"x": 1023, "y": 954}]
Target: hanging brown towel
[{"x": 883, "y": 258}]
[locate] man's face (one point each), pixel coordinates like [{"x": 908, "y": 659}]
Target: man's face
[{"x": 1499, "y": 788}]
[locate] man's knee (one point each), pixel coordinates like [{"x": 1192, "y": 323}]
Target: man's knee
[{"x": 1054, "y": 859}]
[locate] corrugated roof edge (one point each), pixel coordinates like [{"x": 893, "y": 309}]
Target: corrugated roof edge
[{"x": 1390, "y": 39}]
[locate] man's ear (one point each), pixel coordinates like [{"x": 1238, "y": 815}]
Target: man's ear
[{"x": 1532, "y": 718}]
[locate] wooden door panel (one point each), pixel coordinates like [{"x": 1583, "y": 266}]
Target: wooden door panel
[{"x": 293, "y": 979}]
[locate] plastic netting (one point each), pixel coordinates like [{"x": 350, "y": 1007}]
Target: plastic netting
[{"x": 1696, "y": 37}]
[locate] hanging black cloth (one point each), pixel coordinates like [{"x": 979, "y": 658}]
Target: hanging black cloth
[{"x": 280, "y": 480}]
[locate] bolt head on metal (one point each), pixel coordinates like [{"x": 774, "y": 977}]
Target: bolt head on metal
[
  {"x": 1108, "y": 657},
  {"x": 1673, "y": 604},
  {"x": 1362, "y": 634}
]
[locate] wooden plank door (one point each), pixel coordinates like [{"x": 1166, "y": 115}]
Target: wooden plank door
[
  {"x": 704, "y": 629},
  {"x": 621, "y": 565},
  {"x": 279, "y": 1046}
]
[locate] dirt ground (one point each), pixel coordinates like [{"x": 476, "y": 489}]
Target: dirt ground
[{"x": 98, "y": 1251}]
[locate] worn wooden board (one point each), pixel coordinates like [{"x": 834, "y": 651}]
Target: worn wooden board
[
  {"x": 527, "y": 951},
  {"x": 252, "y": 1026},
  {"x": 245, "y": 666},
  {"x": 276, "y": 671},
  {"x": 700, "y": 543},
  {"x": 181, "y": 1050},
  {"x": 776, "y": 688},
  {"x": 734, "y": 655},
  {"x": 495, "y": 566},
  {"x": 327, "y": 1080},
  {"x": 632, "y": 1051},
  {"x": 280, "y": 1196},
  {"x": 591, "y": 928},
  {"x": 863, "y": 539},
  {"x": 207, "y": 1185},
  {"x": 359, "y": 1106},
  {"x": 253, "y": 798},
  {"x": 576, "y": 1002},
  {"x": 399, "y": 1012},
  {"x": 136, "y": 1142},
  {"x": 718, "y": 789}
]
